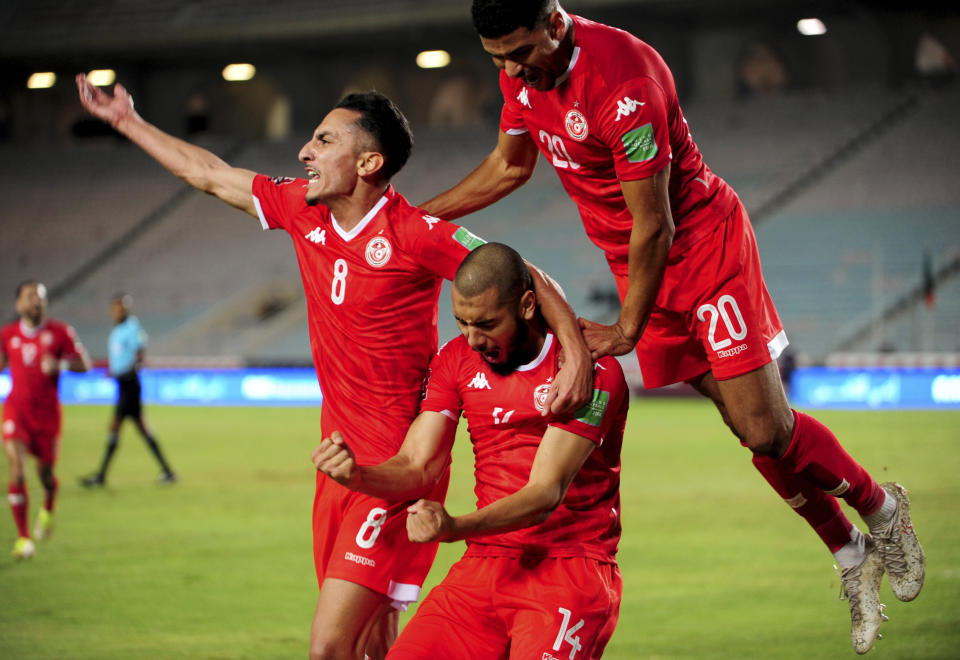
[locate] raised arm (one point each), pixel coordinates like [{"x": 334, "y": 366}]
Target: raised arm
[
  {"x": 411, "y": 473},
  {"x": 650, "y": 239},
  {"x": 198, "y": 167},
  {"x": 558, "y": 459},
  {"x": 509, "y": 166}
]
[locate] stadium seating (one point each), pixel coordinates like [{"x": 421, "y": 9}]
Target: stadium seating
[{"x": 837, "y": 251}]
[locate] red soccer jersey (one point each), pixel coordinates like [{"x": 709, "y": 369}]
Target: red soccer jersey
[
  {"x": 616, "y": 117},
  {"x": 34, "y": 393},
  {"x": 371, "y": 304},
  {"x": 503, "y": 416}
]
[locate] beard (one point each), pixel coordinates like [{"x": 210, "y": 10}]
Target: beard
[{"x": 517, "y": 353}]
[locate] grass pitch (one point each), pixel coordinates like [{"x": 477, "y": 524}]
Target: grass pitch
[{"x": 219, "y": 566}]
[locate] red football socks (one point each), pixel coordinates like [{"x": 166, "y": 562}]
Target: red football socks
[
  {"x": 820, "y": 510},
  {"x": 17, "y": 496},
  {"x": 816, "y": 456}
]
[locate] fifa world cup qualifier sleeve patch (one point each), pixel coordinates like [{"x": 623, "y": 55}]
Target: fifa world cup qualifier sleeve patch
[
  {"x": 640, "y": 144},
  {"x": 464, "y": 237},
  {"x": 592, "y": 413}
]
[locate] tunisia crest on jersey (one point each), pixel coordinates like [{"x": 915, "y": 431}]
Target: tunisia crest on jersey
[
  {"x": 378, "y": 251},
  {"x": 540, "y": 396},
  {"x": 576, "y": 125}
]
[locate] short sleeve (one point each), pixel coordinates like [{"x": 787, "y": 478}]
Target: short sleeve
[
  {"x": 596, "y": 419},
  {"x": 511, "y": 121},
  {"x": 440, "y": 246},
  {"x": 141, "y": 335},
  {"x": 278, "y": 199},
  {"x": 443, "y": 395},
  {"x": 635, "y": 125},
  {"x": 70, "y": 345}
]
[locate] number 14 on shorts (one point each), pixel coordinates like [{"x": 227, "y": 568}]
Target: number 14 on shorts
[{"x": 566, "y": 634}]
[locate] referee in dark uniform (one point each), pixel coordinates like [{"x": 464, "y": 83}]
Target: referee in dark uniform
[{"x": 126, "y": 349}]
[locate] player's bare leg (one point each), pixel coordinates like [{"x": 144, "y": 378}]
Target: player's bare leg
[{"x": 351, "y": 622}]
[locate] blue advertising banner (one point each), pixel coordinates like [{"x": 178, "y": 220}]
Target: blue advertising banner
[
  {"x": 875, "y": 388},
  {"x": 196, "y": 387}
]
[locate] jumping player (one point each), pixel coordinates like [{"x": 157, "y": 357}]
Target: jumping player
[
  {"x": 372, "y": 266},
  {"x": 36, "y": 348},
  {"x": 602, "y": 106},
  {"x": 539, "y": 577}
]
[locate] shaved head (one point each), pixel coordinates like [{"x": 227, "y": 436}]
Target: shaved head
[{"x": 494, "y": 265}]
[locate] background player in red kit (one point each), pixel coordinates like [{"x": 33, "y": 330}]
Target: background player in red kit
[
  {"x": 34, "y": 347},
  {"x": 602, "y": 106},
  {"x": 372, "y": 266},
  {"x": 539, "y": 578}
]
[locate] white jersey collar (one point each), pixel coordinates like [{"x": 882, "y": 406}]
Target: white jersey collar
[
  {"x": 347, "y": 236},
  {"x": 544, "y": 351}
]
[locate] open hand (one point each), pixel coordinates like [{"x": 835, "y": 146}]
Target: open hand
[
  {"x": 605, "y": 339},
  {"x": 573, "y": 386},
  {"x": 111, "y": 109}
]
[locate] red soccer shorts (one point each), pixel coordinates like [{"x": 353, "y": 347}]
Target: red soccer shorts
[
  {"x": 495, "y": 608},
  {"x": 713, "y": 311},
  {"x": 363, "y": 539},
  {"x": 39, "y": 435}
]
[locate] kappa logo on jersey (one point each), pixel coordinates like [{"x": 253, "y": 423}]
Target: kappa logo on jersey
[
  {"x": 281, "y": 180},
  {"x": 479, "y": 382},
  {"x": 626, "y": 106},
  {"x": 523, "y": 98},
  {"x": 576, "y": 125},
  {"x": 15, "y": 342},
  {"x": 540, "y": 396},
  {"x": 317, "y": 236},
  {"x": 378, "y": 251},
  {"x": 431, "y": 221}
]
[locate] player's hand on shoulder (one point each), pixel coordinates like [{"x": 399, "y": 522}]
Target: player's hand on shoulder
[
  {"x": 573, "y": 386},
  {"x": 334, "y": 458},
  {"x": 101, "y": 105},
  {"x": 605, "y": 339},
  {"x": 428, "y": 521}
]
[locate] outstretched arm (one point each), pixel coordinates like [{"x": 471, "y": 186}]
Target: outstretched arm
[
  {"x": 650, "y": 239},
  {"x": 558, "y": 459},
  {"x": 509, "y": 166},
  {"x": 198, "y": 167},
  {"x": 411, "y": 473}
]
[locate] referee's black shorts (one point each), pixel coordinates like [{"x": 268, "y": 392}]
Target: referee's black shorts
[{"x": 128, "y": 396}]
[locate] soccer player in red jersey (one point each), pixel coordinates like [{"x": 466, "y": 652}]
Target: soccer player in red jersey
[
  {"x": 539, "y": 577},
  {"x": 35, "y": 347},
  {"x": 372, "y": 267},
  {"x": 601, "y": 105}
]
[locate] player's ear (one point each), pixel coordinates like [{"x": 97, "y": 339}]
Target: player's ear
[
  {"x": 370, "y": 162},
  {"x": 556, "y": 25},
  {"x": 528, "y": 305}
]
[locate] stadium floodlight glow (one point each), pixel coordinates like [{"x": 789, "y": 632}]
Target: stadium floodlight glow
[
  {"x": 239, "y": 72},
  {"x": 811, "y": 27},
  {"x": 41, "y": 80},
  {"x": 433, "y": 59},
  {"x": 102, "y": 77}
]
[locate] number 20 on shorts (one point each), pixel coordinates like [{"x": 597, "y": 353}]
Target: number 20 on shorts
[{"x": 728, "y": 311}]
